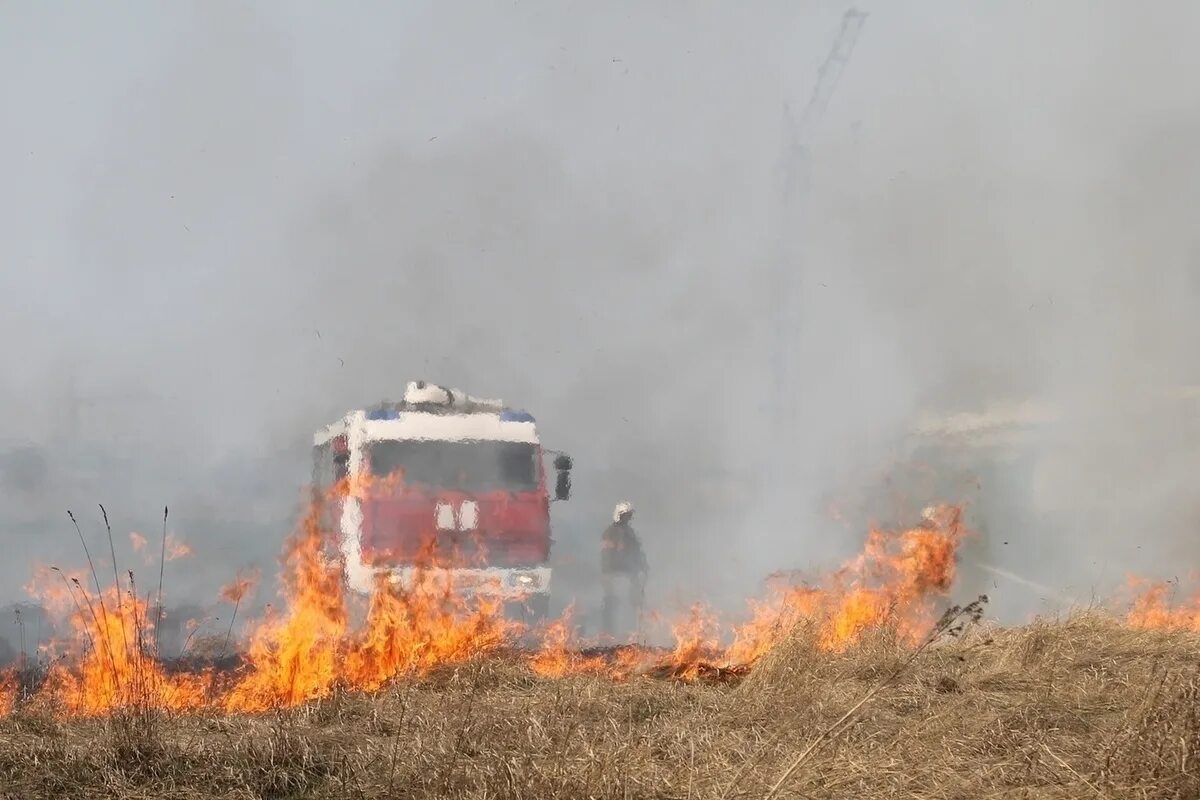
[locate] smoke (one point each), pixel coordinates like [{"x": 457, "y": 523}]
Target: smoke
[{"x": 223, "y": 229}]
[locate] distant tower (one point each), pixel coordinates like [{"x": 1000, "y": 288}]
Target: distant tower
[{"x": 794, "y": 176}]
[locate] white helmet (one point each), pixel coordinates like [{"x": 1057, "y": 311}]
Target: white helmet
[{"x": 624, "y": 508}]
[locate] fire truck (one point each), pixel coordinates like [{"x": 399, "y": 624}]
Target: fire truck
[{"x": 455, "y": 477}]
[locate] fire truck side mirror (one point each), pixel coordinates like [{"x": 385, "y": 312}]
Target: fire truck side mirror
[{"x": 562, "y": 487}]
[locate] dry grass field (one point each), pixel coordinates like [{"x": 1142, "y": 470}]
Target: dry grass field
[{"x": 1086, "y": 706}]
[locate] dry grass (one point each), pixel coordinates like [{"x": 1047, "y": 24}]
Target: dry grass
[{"x": 1083, "y": 707}]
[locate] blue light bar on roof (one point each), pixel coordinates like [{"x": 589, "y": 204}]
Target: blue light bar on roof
[
  {"x": 515, "y": 416},
  {"x": 383, "y": 412}
]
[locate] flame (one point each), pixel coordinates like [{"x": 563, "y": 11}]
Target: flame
[
  {"x": 53, "y": 588},
  {"x": 1153, "y": 607},
  {"x": 306, "y": 646},
  {"x": 172, "y": 548},
  {"x": 115, "y": 664},
  {"x": 176, "y": 549},
  {"x": 240, "y": 586},
  {"x": 304, "y": 653},
  {"x": 419, "y": 628},
  {"x": 695, "y": 643},
  {"x": 772, "y": 619},
  {"x": 894, "y": 580},
  {"x": 366, "y": 484},
  {"x": 294, "y": 658},
  {"x": 9, "y": 689},
  {"x": 307, "y": 650},
  {"x": 559, "y": 656},
  {"x": 554, "y": 659}
]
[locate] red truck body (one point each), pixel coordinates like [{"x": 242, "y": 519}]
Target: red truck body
[{"x": 442, "y": 482}]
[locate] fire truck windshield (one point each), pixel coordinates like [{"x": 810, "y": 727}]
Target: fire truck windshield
[{"x": 470, "y": 466}]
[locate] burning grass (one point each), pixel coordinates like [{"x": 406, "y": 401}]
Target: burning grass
[
  {"x": 309, "y": 648},
  {"x": 1083, "y": 707},
  {"x": 847, "y": 686}
]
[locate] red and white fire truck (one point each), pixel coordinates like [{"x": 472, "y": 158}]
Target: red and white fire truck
[{"x": 449, "y": 472}]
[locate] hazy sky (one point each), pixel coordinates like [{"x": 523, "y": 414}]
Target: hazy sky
[{"x": 224, "y": 225}]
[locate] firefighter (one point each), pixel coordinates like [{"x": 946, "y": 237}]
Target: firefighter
[{"x": 621, "y": 559}]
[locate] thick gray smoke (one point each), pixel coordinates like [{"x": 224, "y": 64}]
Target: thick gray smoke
[{"x": 222, "y": 228}]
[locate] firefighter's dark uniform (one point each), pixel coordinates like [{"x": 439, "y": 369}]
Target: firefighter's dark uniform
[{"x": 621, "y": 557}]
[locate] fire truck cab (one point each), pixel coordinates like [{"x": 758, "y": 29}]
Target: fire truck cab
[{"x": 450, "y": 475}]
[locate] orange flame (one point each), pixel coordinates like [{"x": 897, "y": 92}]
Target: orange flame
[
  {"x": 8, "y": 694},
  {"x": 176, "y": 549},
  {"x": 559, "y": 656},
  {"x": 1153, "y": 607},
  {"x": 240, "y": 586},
  {"x": 771, "y": 620},
  {"x": 308, "y": 649},
  {"x": 116, "y": 668},
  {"x": 306, "y": 646},
  {"x": 696, "y": 642},
  {"x": 894, "y": 580},
  {"x": 366, "y": 484},
  {"x": 419, "y": 628},
  {"x": 52, "y": 586},
  {"x": 294, "y": 658}
]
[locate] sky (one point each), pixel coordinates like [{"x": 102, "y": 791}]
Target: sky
[{"x": 223, "y": 225}]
